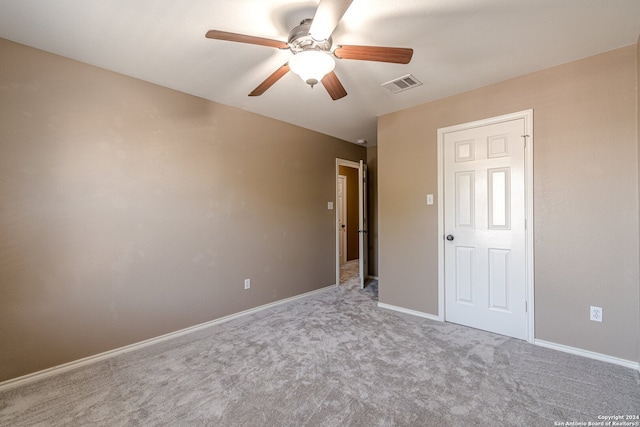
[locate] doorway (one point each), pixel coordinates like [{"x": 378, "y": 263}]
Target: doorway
[
  {"x": 351, "y": 221},
  {"x": 485, "y": 219},
  {"x": 343, "y": 231}
]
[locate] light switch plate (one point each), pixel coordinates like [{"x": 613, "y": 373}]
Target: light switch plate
[
  {"x": 429, "y": 199},
  {"x": 330, "y": 205}
]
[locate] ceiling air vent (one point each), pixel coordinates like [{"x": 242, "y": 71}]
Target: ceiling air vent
[{"x": 402, "y": 84}]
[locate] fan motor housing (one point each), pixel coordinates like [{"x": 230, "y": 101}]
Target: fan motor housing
[{"x": 300, "y": 39}]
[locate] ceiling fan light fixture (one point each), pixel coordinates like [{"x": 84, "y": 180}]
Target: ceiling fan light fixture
[{"x": 312, "y": 65}]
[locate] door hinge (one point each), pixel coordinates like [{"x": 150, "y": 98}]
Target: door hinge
[{"x": 525, "y": 140}]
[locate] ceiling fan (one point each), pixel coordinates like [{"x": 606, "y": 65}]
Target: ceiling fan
[{"x": 311, "y": 43}]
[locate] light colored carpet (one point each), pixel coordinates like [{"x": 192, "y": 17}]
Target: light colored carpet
[
  {"x": 350, "y": 271},
  {"x": 332, "y": 359}
]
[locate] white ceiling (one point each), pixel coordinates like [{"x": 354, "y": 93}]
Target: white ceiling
[{"x": 458, "y": 45}]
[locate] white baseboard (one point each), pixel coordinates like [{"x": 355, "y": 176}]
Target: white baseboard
[
  {"x": 55, "y": 370},
  {"x": 408, "y": 311},
  {"x": 588, "y": 353}
]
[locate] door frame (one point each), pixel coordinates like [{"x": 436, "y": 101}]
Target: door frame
[
  {"x": 354, "y": 165},
  {"x": 527, "y": 115}
]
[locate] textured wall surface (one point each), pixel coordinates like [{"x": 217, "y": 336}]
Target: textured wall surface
[
  {"x": 585, "y": 198},
  {"x": 638, "y": 136},
  {"x": 372, "y": 168},
  {"x": 128, "y": 210}
]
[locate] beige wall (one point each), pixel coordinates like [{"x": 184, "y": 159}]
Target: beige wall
[
  {"x": 638, "y": 136},
  {"x": 129, "y": 210},
  {"x": 585, "y": 198},
  {"x": 372, "y": 186}
]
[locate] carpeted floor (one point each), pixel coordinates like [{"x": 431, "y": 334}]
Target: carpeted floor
[
  {"x": 350, "y": 270},
  {"x": 350, "y": 276},
  {"x": 331, "y": 359}
]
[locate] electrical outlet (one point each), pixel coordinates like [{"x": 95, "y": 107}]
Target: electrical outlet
[
  {"x": 247, "y": 283},
  {"x": 595, "y": 314}
]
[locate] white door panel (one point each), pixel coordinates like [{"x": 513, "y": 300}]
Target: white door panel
[{"x": 484, "y": 211}]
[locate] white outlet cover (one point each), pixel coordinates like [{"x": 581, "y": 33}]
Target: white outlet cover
[{"x": 595, "y": 314}]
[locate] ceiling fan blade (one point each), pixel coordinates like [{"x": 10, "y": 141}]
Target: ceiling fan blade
[
  {"x": 326, "y": 18},
  {"x": 243, "y": 38},
  {"x": 270, "y": 81},
  {"x": 397, "y": 55},
  {"x": 333, "y": 86}
]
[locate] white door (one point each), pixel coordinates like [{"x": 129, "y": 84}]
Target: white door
[
  {"x": 342, "y": 218},
  {"x": 484, "y": 225},
  {"x": 363, "y": 225}
]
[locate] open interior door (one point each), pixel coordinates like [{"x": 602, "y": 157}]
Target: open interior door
[{"x": 363, "y": 225}]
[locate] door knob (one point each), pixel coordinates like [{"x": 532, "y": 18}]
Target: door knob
[{"x": 450, "y": 237}]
